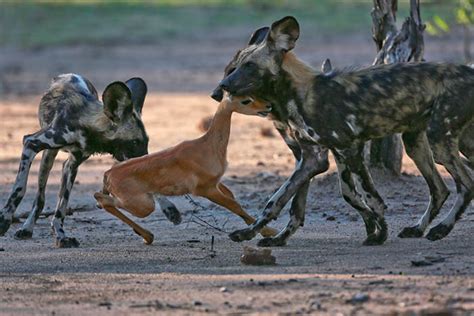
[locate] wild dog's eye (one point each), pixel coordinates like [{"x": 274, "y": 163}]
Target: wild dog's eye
[{"x": 231, "y": 70}]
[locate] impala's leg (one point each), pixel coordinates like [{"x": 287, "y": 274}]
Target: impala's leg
[
  {"x": 143, "y": 204},
  {"x": 170, "y": 210},
  {"x": 306, "y": 168},
  {"x": 69, "y": 173},
  {"x": 418, "y": 149},
  {"x": 47, "y": 161},
  {"x": 224, "y": 197},
  {"x": 32, "y": 144},
  {"x": 351, "y": 171},
  {"x": 298, "y": 204}
]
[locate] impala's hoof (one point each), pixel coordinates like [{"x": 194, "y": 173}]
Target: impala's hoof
[
  {"x": 243, "y": 234},
  {"x": 173, "y": 215},
  {"x": 411, "y": 232},
  {"x": 271, "y": 242},
  {"x": 438, "y": 232},
  {"x": 67, "y": 242},
  {"x": 22, "y": 234}
]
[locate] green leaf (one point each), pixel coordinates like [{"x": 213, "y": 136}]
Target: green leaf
[
  {"x": 431, "y": 29},
  {"x": 440, "y": 23},
  {"x": 462, "y": 17}
]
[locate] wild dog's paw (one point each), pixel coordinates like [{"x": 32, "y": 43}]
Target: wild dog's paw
[
  {"x": 67, "y": 242},
  {"x": 438, "y": 232},
  {"x": 411, "y": 232},
  {"x": 22, "y": 234},
  {"x": 4, "y": 224},
  {"x": 272, "y": 242},
  {"x": 173, "y": 215},
  {"x": 243, "y": 234},
  {"x": 375, "y": 239}
]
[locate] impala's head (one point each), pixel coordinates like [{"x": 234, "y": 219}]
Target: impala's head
[
  {"x": 260, "y": 62},
  {"x": 123, "y": 103},
  {"x": 247, "y": 105}
]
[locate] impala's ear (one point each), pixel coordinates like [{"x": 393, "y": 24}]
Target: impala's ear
[
  {"x": 117, "y": 101},
  {"x": 258, "y": 36},
  {"x": 138, "y": 89},
  {"x": 283, "y": 34}
]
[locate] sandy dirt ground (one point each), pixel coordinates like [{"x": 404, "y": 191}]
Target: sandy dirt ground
[{"x": 324, "y": 269}]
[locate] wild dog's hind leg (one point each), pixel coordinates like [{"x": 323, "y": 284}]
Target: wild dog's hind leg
[
  {"x": 352, "y": 170},
  {"x": 32, "y": 144},
  {"x": 446, "y": 153},
  {"x": 141, "y": 206},
  {"x": 69, "y": 173},
  {"x": 418, "y": 149},
  {"x": 47, "y": 161}
]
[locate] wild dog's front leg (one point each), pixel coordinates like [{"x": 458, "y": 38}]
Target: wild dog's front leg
[
  {"x": 68, "y": 176},
  {"x": 31, "y": 146},
  {"x": 305, "y": 170},
  {"x": 297, "y": 212},
  {"x": 47, "y": 161},
  {"x": 349, "y": 169},
  {"x": 298, "y": 205}
]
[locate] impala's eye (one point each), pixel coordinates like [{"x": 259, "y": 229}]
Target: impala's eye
[{"x": 246, "y": 101}]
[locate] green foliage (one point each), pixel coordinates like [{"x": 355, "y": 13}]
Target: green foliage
[
  {"x": 38, "y": 23},
  {"x": 463, "y": 13}
]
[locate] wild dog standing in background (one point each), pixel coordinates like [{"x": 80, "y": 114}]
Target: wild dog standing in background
[
  {"x": 430, "y": 104},
  {"x": 72, "y": 119}
]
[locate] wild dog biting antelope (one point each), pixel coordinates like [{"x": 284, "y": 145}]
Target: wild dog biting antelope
[
  {"x": 72, "y": 119},
  {"x": 191, "y": 167},
  {"x": 430, "y": 104}
]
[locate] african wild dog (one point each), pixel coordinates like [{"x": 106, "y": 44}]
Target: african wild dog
[
  {"x": 430, "y": 104},
  {"x": 73, "y": 119},
  {"x": 191, "y": 167}
]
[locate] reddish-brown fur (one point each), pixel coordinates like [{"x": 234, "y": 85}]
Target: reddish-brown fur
[{"x": 191, "y": 167}]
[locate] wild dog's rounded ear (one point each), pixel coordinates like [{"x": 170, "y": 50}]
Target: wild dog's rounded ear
[
  {"x": 326, "y": 67},
  {"x": 138, "y": 89},
  {"x": 284, "y": 33},
  {"x": 117, "y": 100},
  {"x": 258, "y": 36}
]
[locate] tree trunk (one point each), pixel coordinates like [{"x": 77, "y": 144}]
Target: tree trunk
[{"x": 394, "y": 46}]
